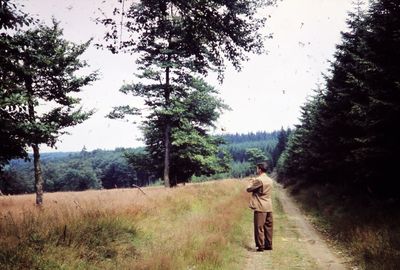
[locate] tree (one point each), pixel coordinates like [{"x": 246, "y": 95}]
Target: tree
[
  {"x": 12, "y": 183},
  {"x": 12, "y": 145},
  {"x": 47, "y": 65},
  {"x": 255, "y": 155},
  {"x": 379, "y": 146},
  {"x": 177, "y": 39},
  {"x": 11, "y": 16},
  {"x": 117, "y": 174},
  {"x": 146, "y": 169},
  {"x": 283, "y": 137},
  {"x": 237, "y": 144},
  {"x": 80, "y": 178},
  {"x": 193, "y": 151}
]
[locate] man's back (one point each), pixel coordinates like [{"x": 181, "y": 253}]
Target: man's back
[{"x": 261, "y": 188}]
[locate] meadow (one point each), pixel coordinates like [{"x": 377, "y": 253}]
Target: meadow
[{"x": 196, "y": 226}]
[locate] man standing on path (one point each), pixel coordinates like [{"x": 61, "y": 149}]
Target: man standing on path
[{"x": 261, "y": 203}]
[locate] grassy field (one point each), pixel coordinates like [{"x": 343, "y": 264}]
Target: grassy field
[
  {"x": 192, "y": 227},
  {"x": 199, "y": 226}
]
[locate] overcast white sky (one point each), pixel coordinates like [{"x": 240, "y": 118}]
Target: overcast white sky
[{"x": 265, "y": 95}]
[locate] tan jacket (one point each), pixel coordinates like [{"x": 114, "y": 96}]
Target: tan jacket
[{"x": 261, "y": 188}]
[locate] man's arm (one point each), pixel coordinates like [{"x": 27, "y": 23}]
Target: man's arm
[{"x": 254, "y": 184}]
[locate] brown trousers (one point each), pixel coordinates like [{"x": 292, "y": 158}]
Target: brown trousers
[{"x": 263, "y": 229}]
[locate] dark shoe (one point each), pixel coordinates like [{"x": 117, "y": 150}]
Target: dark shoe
[
  {"x": 268, "y": 248},
  {"x": 260, "y": 250}
]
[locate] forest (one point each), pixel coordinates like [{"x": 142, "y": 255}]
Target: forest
[{"x": 348, "y": 136}]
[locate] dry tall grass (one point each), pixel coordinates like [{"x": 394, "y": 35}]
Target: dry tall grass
[{"x": 191, "y": 227}]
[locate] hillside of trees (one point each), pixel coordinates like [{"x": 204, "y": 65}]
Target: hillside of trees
[
  {"x": 248, "y": 149},
  {"x": 76, "y": 171}
]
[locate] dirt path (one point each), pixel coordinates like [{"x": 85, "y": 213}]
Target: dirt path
[{"x": 297, "y": 245}]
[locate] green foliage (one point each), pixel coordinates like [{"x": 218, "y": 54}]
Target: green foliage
[
  {"x": 141, "y": 161},
  {"x": 178, "y": 41},
  {"x": 193, "y": 151},
  {"x": 237, "y": 144},
  {"x": 13, "y": 181},
  {"x": 187, "y": 35},
  {"x": 347, "y": 133},
  {"x": 248, "y": 149},
  {"x": 39, "y": 67},
  {"x": 242, "y": 169},
  {"x": 40, "y": 71},
  {"x": 49, "y": 64},
  {"x": 117, "y": 174},
  {"x": 255, "y": 155},
  {"x": 283, "y": 137},
  {"x": 123, "y": 167},
  {"x": 75, "y": 171},
  {"x": 11, "y": 17}
]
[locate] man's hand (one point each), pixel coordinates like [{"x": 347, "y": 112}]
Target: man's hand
[{"x": 254, "y": 185}]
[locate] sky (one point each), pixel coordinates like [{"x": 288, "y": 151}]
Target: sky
[{"x": 265, "y": 95}]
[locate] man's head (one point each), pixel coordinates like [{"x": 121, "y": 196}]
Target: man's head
[{"x": 262, "y": 167}]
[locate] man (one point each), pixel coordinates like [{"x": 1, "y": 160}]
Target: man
[{"x": 261, "y": 203}]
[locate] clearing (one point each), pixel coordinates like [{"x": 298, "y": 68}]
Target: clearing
[{"x": 197, "y": 226}]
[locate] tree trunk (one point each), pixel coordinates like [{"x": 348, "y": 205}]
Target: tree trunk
[
  {"x": 38, "y": 175},
  {"x": 35, "y": 146},
  {"x": 167, "y": 131}
]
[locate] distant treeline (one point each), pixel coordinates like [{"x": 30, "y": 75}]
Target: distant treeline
[
  {"x": 247, "y": 149},
  {"x": 75, "y": 171},
  {"x": 238, "y": 143}
]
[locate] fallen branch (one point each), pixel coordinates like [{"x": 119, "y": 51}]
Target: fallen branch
[
  {"x": 133, "y": 185},
  {"x": 77, "y": 205}
]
